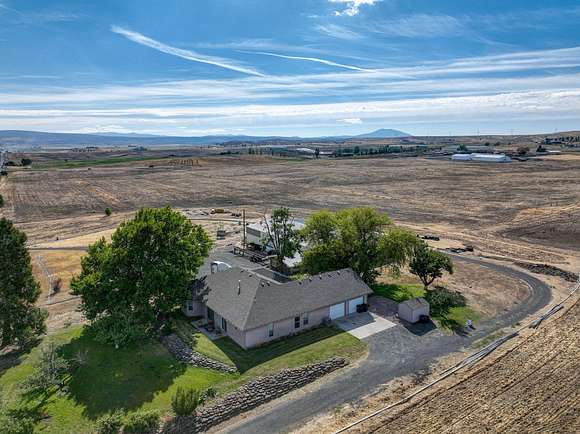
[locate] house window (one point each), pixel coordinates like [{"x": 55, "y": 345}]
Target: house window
[
  {"x": 224, "y": 325},
  {"x": 296, "y": 322},
  {"x": 270, "y": 330},
  {"x": 190, "y": 306},
  {"x": 305, "y": 319}
]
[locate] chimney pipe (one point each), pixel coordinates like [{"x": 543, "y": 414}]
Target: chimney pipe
[{"x": 239, "y": 287}]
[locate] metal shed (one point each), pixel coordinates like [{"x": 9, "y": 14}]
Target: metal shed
[{"x": 411, "y": 310}]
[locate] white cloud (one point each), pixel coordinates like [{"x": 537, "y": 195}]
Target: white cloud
[
  {"x": 351, "y": 121},
  {"x": 419, "y": 26},
  {"x": 184, "y": 54},
  {"x": 352, "y": 6},
  {"x": 339, "y": 32},
  {"x": 311, "y": 59}
]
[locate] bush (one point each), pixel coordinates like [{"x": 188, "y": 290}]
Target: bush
[
  {"x": 15, "y": 425},
  {"x": 1, "y": 201},
  {"x": 209, "y": 393},
  {"x": 442, "y": 299},
  {"x": 108, "y": 211},
  {"x": 26, "y": 161},
  {"x": 110, "y": 423},
  {"x": 141, "y": 422},
  {"x": 186, "y": 401},
  {"x": 51, "y": 369},
  {"x": 57, "y": 285}
]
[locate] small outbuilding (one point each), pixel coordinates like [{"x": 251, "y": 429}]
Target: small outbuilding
[{"x": 412, "y": 310}]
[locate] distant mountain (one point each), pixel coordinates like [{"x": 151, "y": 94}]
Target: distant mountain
[
  {"x": 383, "y": 133},
  {"x": 23, "y": 139}
]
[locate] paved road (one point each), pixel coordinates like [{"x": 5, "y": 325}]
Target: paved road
[{"x": 392, "y": 353}]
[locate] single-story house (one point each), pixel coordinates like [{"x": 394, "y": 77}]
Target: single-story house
[
  {"x": 253, "y": 309},
  {"x": 411, "y": 310}
]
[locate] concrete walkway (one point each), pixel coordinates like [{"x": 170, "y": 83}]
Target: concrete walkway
[{"x": 365, "y": 324}]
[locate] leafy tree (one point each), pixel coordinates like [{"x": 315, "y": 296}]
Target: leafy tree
[
  {"x": 26, "y": 161},
  {"x": 281, "y": 234},
  {"x": 429, "y": 264},
  {"x": 360, "y": 238},
  {"x": 523, "y": 150},
  {"x": 20, "y": 319},
  {"x": 130, "y": 284},
  {"x": 462, "y": 148},
  {"x": 108, "y": 211}
]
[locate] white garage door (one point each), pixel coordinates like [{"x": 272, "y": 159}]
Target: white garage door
[
  {"x": 337, "y": 311},
  {"x": 352, "y": 304}
]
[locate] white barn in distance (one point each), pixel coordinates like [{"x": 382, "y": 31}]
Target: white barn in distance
[{"x": 484, "y": 158}]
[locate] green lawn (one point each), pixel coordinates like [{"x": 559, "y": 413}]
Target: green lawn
[
  {"x": 307, "y": 347},
  {"x": 146, "y": 376},
  {"x": 398, "y": 293},
  {"x": 61, "y": 164},
  {"x": 452, "y": 320}
]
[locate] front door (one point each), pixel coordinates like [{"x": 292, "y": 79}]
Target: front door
[{"x": 209, "y": 314}]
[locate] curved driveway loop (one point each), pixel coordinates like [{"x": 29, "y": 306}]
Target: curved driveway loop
[{"x": 392, "y": 353}]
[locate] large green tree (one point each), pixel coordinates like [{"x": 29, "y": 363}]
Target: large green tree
[
  {"x": 130, "y": 284},
  {"x": 20, "y": 319},
  {"x": 282, "y": 235},
  {"x": 360, "y": 238},
  {"x": 429, "y": 264}
]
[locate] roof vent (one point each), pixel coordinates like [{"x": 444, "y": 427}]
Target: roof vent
[
  {"x": 310, "y": 279},
  {"x": 239, "y": 287},
  {"x": 338, "y": 272}
]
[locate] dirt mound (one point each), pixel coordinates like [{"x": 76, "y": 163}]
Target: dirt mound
[{"x": 548, "y": 270}]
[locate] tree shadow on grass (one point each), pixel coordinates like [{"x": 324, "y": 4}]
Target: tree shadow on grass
[
  {"x": 15, "y": 357},
  {"x": 247, "y": 359},
  {"x": 107, "y": 379}
]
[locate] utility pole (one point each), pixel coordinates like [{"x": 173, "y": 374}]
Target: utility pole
[{"x": 244, "y": 229}]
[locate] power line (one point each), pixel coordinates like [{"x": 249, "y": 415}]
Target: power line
[{"x": 471, "y": 359}]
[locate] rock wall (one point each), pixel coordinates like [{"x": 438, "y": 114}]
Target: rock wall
[
  {"x": 252, "y": 395},
  {"x": 181, "y": 351}
]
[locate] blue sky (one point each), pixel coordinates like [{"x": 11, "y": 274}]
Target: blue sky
[{"x": 290, "y": 67}]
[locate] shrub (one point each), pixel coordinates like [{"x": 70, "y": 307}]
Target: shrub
[
  {"x": 1, "y": 201},
  {"x": 15, "y": 425},
  {"x": 442, "y": 299},
  {"x": 26, "y": 161},
  {"x": 110, "y": 423},
  {"x": 209, "y": 393},
  {"x": 141, "y": 422},
  {"x": 51, "y": 369},
  {"x": 57, "y": 285},
  {"x": 108, "y": 211},
  {"x": 186, "y": 401}
]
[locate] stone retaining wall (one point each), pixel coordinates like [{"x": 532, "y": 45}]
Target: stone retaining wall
[
  {"x": 252, "y": 395},
  {"x": 181, "y": 351}
]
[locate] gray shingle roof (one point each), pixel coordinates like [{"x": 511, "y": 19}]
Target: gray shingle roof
[
  {"x": 416, "y": 303},
  {"x": 262, "y": 302}
]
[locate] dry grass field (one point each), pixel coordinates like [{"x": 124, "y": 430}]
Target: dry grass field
[
  {"x": 529, "y": 386},
  {"x": 524, "y": 210}
]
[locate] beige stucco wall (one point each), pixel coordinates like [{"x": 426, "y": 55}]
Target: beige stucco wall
[
  {"x": 258, "y": 336},
  {"x": 283, "y": 328},
  {"x": 198, "y": 309}
]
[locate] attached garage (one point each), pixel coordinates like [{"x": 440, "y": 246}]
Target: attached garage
[
  {"x": 337, "y": 311},
  {"x": 352, "y": 304}
]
